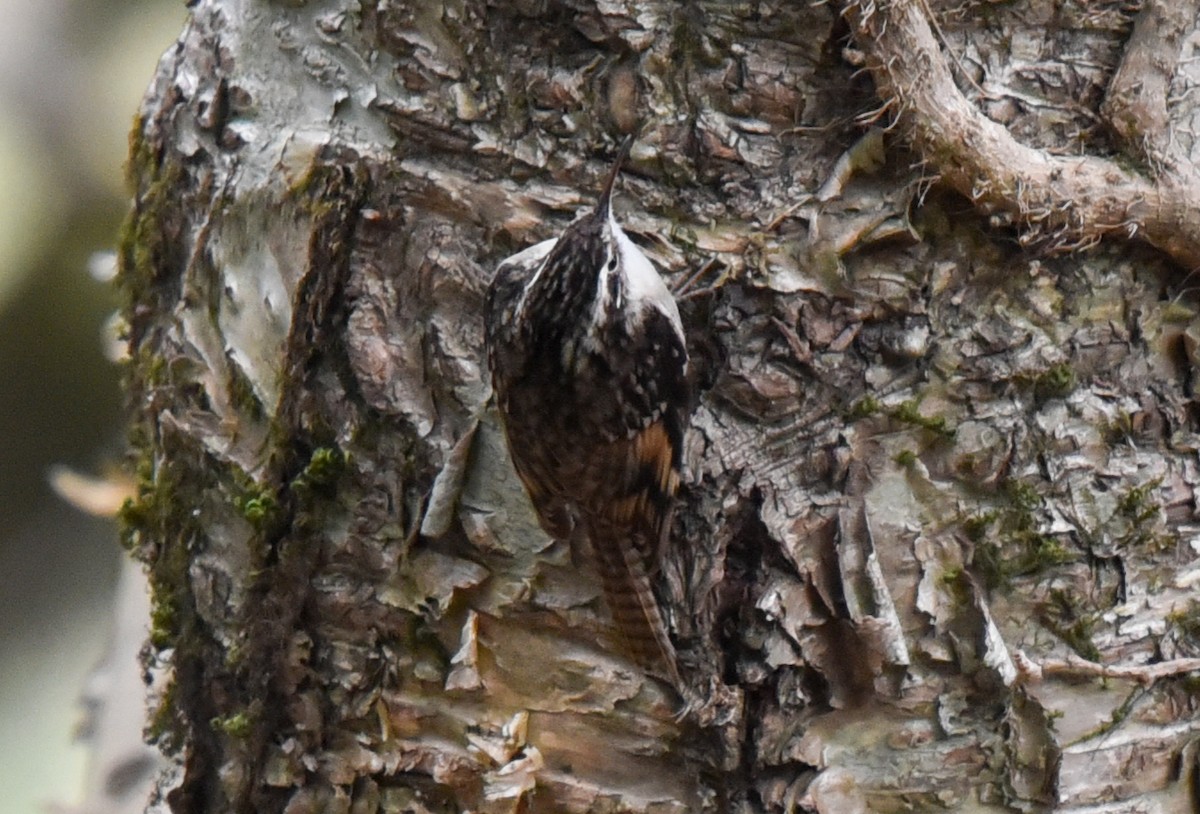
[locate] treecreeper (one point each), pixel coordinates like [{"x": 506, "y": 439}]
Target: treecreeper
[{"x": 589, "y": 368}]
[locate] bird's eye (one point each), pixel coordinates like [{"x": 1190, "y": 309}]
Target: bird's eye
[{"x": 612, "y": 263}]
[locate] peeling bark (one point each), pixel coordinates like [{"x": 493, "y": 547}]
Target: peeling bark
[{"x": 925, "y": 461}]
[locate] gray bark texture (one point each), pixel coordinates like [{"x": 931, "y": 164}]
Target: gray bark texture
[{"x": 937, "y": 548}]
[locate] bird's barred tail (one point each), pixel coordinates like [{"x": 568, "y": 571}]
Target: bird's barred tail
[{"x": 631, "y": 602}]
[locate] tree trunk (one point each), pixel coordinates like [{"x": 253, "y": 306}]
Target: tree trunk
[{"x": 937, "y": 544}]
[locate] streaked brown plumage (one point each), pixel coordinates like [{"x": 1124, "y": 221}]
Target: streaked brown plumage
[{"x": 589, "y": 368}]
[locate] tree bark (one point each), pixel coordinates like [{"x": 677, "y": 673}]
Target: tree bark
[{"x": 938, "y": 541}]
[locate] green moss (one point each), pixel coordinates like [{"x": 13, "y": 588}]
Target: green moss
[
  {"x": 1187, "y": 621},
  {"x": 976, "y": 526},
  {"x": 1135, "y": 503},
  {"x": 1116, "y": 719},
  {"x": 1122, "y": 712},
  {"x": 905, "y": 458},
  {"x": 1067, "y": 617},
  {"x": 1078, "y": 636},
  {"x": 160, "y": 729},
  {"x": 1117, "y": 429},
  {"x": 153, "y": 368},
  {"x": 865, "y": 407},
  {"x": 131, "y": 517},
  {"x": 237, "y": 725},
  {"x": 1008, "y": 542},
  {"x": 1058, "y": 381},
  {"x": 957, "y": 585},
  {"x": 158, "y": 527},
  {"x": 154, "y": 527},
  {"x": 908, "y": 412},
  {"x": 1020, "y": 554},
  {"x": 1039, "y": 552},
  {"x": 1054, "y": 715},
  {"x": 1137, "y": 523},
  {"x": 260, "y": 509},
  {"x": 242, "y": 394},
  {"x": 988, "y": 563},
  {"x": 236, "y": 653},
  {"x": 327, "y": 192},
  {"x": 324, "y": 467},
  {"x": 142, "y": 244},
  {"x": 1023, "y": 497},
  {"x": 164, "y": 619}
]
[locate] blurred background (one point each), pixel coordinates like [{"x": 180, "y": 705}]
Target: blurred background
[{"x": 72, "y": 73}]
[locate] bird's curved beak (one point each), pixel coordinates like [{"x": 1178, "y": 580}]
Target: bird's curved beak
[{"x": 604, "y": 205}]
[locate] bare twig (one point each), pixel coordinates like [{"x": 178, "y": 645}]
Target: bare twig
[
  {"x": 1076, "y": 667},
  {"x": 1073, "y": 200},
  {"x": 683, "y": 288}
]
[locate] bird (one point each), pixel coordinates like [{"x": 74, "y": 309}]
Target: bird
[{"x": 589, "y": 366}]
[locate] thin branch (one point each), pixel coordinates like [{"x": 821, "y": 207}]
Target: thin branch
[
  {"x": 1136, "y": 104},
  {"x": 1034, "y": 672},
  {"x": 1069, "y": 201}
]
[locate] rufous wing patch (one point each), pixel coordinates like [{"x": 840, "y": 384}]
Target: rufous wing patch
[{"x": 652, "y": 449}]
